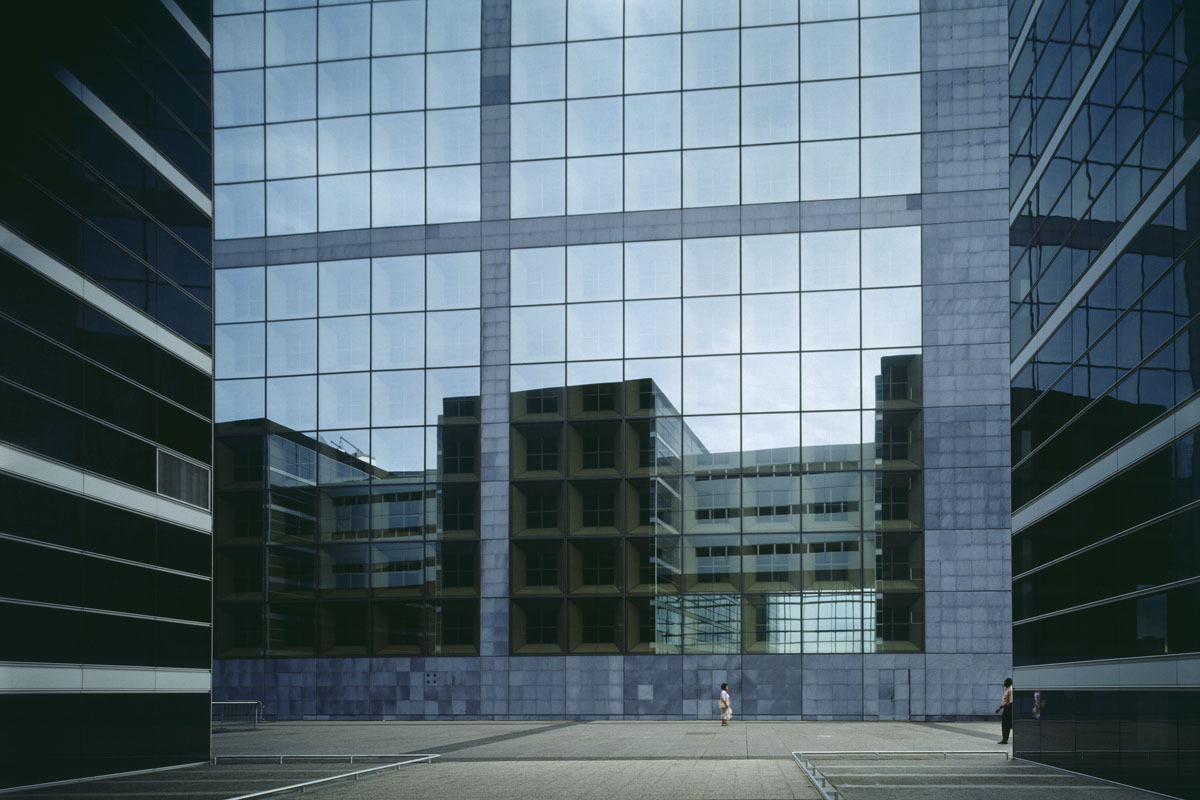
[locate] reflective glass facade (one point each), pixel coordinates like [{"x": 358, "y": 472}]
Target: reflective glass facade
[
  {"x": 106, "y": 390},
  {"x": 1104, "y": 307},
  {"x": 604, "y": 328}
]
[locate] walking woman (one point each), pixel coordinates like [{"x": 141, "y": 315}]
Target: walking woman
[
  {"x": 726, "y": 706},
  {"x": 1006, "y": 706}
]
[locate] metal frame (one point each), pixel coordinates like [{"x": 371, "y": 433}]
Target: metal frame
[
  {"x": 829, "y": 792},
  {"x": 412, "y": 758},
  {"x": 258, "y": 708}
]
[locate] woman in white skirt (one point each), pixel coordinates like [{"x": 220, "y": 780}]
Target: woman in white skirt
[{"x": 726, "y": 705}]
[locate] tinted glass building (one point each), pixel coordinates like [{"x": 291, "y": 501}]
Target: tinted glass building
[
  {"x": 1105, "y": 278},
  {"x": 575, "y": 357},
  {"x": 106, "y": 389}
]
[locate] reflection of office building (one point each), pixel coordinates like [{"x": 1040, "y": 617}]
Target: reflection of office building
[
  {"x": 1105, "y": 289},
  {"x": 727, "y": 296},
  {"x": 105, "y": 389}
]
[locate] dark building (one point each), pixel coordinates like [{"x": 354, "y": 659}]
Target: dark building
[
  {"x": 1105, "y": 342},
  {"x": 105, "y": 389}
]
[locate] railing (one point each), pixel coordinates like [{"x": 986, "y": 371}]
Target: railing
[
  {"x": 236, "y": 712},
  {"x": 409, "y": 758},
  {"x": 829, "y": 792}
]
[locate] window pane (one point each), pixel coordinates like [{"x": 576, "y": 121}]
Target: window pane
[
  {"x": 594, "y": 331},
  {"x": 830, "y": 170},
  {"x": 891, "y": 165},
  {"x": 344, "y": 145},
  {"x": 441, "y": 384},
  {"x": 537, "y": 189},
  {"x": 345, "y": 202},
  {"x": 829, "y": 260},
  {"x": 237, "y": 42},
  {"x": 768, "y": 12},
  {"x": 453, "y": 24},
  {"x": 344, "y": 32},
  {"x": 891, "y": 105},
  {"x": 239, "y": 350},
  {"x": 828, "y": 50},
  {"x": 293, "y": 402},
  {"x": 652, "y": 181},
  {"x": 398, "y": 198},
  {"x": 710, "y": 59},
  {"x": 891, "y": 44},
  {"x": 291, "y": 291},
  {"x": 398, "y": 283},
  {"x": 397, "y": 398},
  {"x": 453, "y": 194},
  {"x": 652, "y": 269},
  {"x": 452, "y": 137},
  {"x": 651, "y": 16},
  {"x": 237, "y": 98},
  {"x": 291, "y": 93},
  {"x": 538, "y": 73},
  {"x": 345, "y": 344},
  {"x": 891, "y": 256},
  {"x": 652, "y": 122},
  {"x": 398, "y": 28},
  {"x": 453, "y": 280},
  {"x": 538, "y": 334},
  {"x": 892, "y": 317},
  {"x": 652, "y": 328},
  {"x": 398, "y": 84},
  {"x": 452, "y": 338},
  {"x": 594, "y": 68},
  {"x": 239, "y": 211},
  {"x": 710, "y": 325},
  {"x": 770, "y": 114},
  {"x": 652, "y": 64},
  {"x": 345, "y": 286},
  {"x": 711, "y": 385},
  {"x": 452, "y": 79},
  {"x": 397, "y": 342},
  {"x": 593, "y": 19},
  {"x": 829, "y": 110},
  {"x": 769, "y": 55},
  {"x": 291, "y": 37},
  {"x": 538, "y": 275},
  {"x": 538, "y": 130},
  {"x": 771, "y": 382},
  {"x": 397, "y": 141},
  {"x": 238, "y": 154},
  {"x": 711, "y": 266},
  {"x": 538, "y": 21},
  {"x": 829, "y": 320},
  {"x": 594, "y": 127},
  {"x": 771, "y": 263},
  {"x": 342, "y": 88},
  {"x": 234, "y": 400},
  {"x": 770, "y": 174},
  {"x": 770, "y": 322},
  {"x": 710, "y": 118},
  {"x": 291, "y": 206},
  {"x": 291, "y": 150},
  {"x": 343, "y": 400},
  {"x": 593, "y": 185},
  {"x": 706, "y": 14},
  {"x": 711, "y": 177},
  {"x": 594, "y": 272},
  {"x": 240, "y": 295},
  {"x": 830, "y": 380}
]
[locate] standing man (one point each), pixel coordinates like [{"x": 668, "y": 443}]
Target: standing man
[
  {"x": 1006, "y": 703},
  {"x": 726, "y": 706}
]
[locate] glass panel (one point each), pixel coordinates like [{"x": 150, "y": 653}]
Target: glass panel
[
  {"x": 891, "y": 317},
  {"x": 891, "y": 378},
  {"x": 891, "y": 165},
  {"x": 710, "y": 325},
  {"x": 398, "y": 84},
  {"x": 594, "y": 331},
  {"x": 770, "y": 383},
  {"x": 711, "y": 385},
  {"x": 537, "y": 188},
  {"x": 292, "y": 402},
  {"x": 538, "y": 334},
  {"x": 594, "y": 272},
  {"x": 770, "y": 322},
  {"x": 238, "y": 42},
  {"x": 538, "y": 130},
  {"x": 342, "y": 88},
  {"x": 538, "y": 275},
  {"x": 401, "y": 452},
  {"x": 831, "y": 441},
  {"x": 397, "y": 341},
  {"x": 452, "y": 79},
  {"x": 832, "y": 501},
  {"x": 652, "y": 122},
  {"x": 292, "y": 150},
  {"x": 712, "y": 445},
  {"x": 770, "y": 114},
  {"x": 291, "y": 93},
  {"x": 345, "y": 286},
  {"x": 652, "y": 64},
  {"x": 830, "y": 170},
  {"x": 397, "y": 141},
  {"x": 291, "y": 206},
  {"x": 770, "y": 263},
  {"x": 237, "y": 98},
  {"x": 769, "y": 55},
  {"x": 291, "y": 291},
  {"x": 664, "y": 390},
  {"x": 238, "y": 154},
  {"x": 768, "y": 12},
  {"x": 398, "y": 398},
  {"x": 710, "y": 59},
  {"x": 652, "y": 181},
  {"x": 829, "y": 260},
  {"x": 651, "y": 16},
  {"x": 652, "y": 328},
  {"x": 344, "y": 32},
  {"x": 830, "y": 320},
  {"x": 831, "y": 380},
  {"x": 343, "y": 401},
  {"x": 704, "y": 14},
  {"x": 652, "y": 269},
  {"x": 452, "y": 280},
  {"x": 593, "y": 19},
  {"x": 891, "y": 256},
  {"x": 398, "y": 284},
  {"x": 593, "y": 185},
  {"x": 452, "y": 338},
  {"x": 891, "y": 105},
  {"x": 539, "y": 73},
  {"x": 771, "y": 440},
  {"x": 594, "y": 68},
  {"x": 711, "y": 266},
  {"x": 770, "y": 174},
  {"x": 712, "y": 623},
  {"x": 829, "y": 110},
  {"x": 538, "y": 21},
  {"x": 446, "y": 384},
  {"x": 710, "y": 118},
  {"x": 891, "y": 44},
  {"x": 828, "y": 50},
  {"x": 452, "y": 194},
  {"x": 345, "y": 344},
  {"x": 817, "y": 10},
  {"x": 711, "y": 177},
  {"x": 452, "y": 137},
  {"x": 240, "y": 295},
  {"x": 239, "y": 349},
  {"x": 234, "y": 400},
  {"x": 594, "y": 126},
  {"x": 239, "y": 211},
  {"x": 398, "y": 198},
  {"x": 398, "y": 28},
  {"x": 453, "y": 24},
  {"x": 344, "y": 145},
  {"x": 292, "y": 347}
]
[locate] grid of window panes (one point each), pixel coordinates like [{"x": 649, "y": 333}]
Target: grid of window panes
[
  {"x": 347, "y": 394},
  {"x": 716, "y": 444},
  {"x": 344, "y": 116},
  {"x": 711, "y": 102}
]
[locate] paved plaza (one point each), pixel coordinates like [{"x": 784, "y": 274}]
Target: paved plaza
[{"x": 613, "y": 760}]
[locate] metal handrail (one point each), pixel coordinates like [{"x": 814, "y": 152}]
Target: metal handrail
[
  {"x": 818, "y": 781},
  {"x": 315, "y": 756},
  {"x": 829, "y": 792},
  {"x": 302, "y": 787},
  {"x": 258, "y": 709}
]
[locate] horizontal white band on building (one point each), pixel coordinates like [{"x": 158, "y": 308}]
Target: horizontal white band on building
[{"x": 22, "y": 678}]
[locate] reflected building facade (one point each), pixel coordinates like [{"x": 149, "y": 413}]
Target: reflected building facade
[
  {"x": 106, "y": 390},
  {"x": 666, "y": 334},
  {"x": 1104, "y": 279}
]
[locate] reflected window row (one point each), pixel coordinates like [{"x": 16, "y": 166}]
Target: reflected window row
[
  {"x": 821, "y": 381},
  {"x": 295, "y": 35},
  {"x": 347, "y": 144},
  {"x": 346, "y": 88},
  {"x": 888, "y": 165},
  {"x": 820, "y": 260},
  {"x": 538, "y": 21},
  {"x": 717, "y": 118},
  {"x": 760, "y": 55},
  {"x": 784, "y": 622},
  {"x": 347, "y": 202},
  {"x": 838, "y": 320}
]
